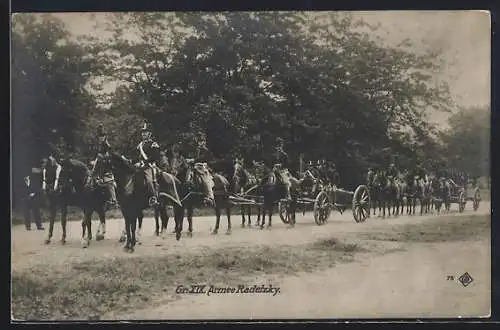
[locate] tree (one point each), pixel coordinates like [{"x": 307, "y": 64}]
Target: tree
[
  {"x": 49, "y": 99},
  {"x": 467, "y": 141}
]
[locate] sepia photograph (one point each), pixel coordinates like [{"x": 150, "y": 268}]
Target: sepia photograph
[{"x": 250, "y": 165}]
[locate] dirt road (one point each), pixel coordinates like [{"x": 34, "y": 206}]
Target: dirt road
[{"x": 410, "y": 283}]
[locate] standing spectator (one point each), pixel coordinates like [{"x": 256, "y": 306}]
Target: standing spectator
[{"x": 31, "y": 199}]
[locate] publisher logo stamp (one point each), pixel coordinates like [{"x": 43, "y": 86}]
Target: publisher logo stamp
[{"x": 465, "y": 279}]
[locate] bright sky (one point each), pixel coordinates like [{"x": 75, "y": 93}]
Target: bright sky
[{"x": 464, "y": 37}]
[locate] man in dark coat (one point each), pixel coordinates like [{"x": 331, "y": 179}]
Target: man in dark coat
[
  {"x": 149, "y": 154},
  {"x": 102, "y": 167},
  {"x": 32, "y": 190}
]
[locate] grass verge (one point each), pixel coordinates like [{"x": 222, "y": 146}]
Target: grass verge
[
  {"x": 87, "y": 290},
  {"x": 442, "y": 229}
]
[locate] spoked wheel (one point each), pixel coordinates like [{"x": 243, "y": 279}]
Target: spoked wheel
[
  {"x": 477, "y": 198},
  {"x": 461, "y": 202},
  {"x": 361, "y": 204},
  {"x": 283, "y": 210},
  {"x": 322, "y": 208}
]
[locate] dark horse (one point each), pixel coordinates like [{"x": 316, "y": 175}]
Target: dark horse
[
  {"x": 244, "y": 183},
  {"x": 90, "y": 198},
  {"x": 416, "y": 190},
  {"x": 196, "y": 188},
  {"x": 131, "y": 194},
  {"x": 275, "y": 190}
]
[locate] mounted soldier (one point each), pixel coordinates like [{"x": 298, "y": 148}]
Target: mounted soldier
[
  {"x": 332, "y": 174},
  {"x": 101, "y": 168},
  {"x": 370, "y": 175},
  {"x": 149, "y": 156},
  {"x": 391, "y": 174},
  {"x": 176, "y": 160},
  {"x": 420, "y": 175},
  {"x": 203, "y": 154},
  {"x": 281, "y": 165}
]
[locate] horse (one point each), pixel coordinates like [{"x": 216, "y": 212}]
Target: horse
[
  {"x": 244, "y": 182},
  {"x": 417, "y": 190},
  {"x": 221, "y": 189},
  {"x": 90, "y": 198},
  {"x": 401, "y": 198},
  {"x": 274, "y": 190},
  {"x": 381, "y": 194},
  {"x": 394, "y": 193},
  {"x": 131, "y": 193},
  {"x": 441, "y": 194},
  {"x": 196, "y": 189}
]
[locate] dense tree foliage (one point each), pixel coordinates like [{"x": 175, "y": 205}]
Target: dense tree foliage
[
  {"x": 467, "y": 141},
  {"x": 241, "y": 80}
]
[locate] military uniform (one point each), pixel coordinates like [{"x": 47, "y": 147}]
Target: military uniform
[
  {"x": 149, "y": 154},
  {"x": 421, "y": 173},
  {"x": 333, "y": 175},
  {"x": 32, "y": 189},
  {"x": 102, "y": 166},
  {"x": 281, "y": 158},
  {"x": 369, "y": 177}
]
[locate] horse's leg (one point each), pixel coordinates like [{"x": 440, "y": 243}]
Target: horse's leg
[
  {"x": 52, "y": 218},
  {"x": 190, "y": 220},
  {"x": 163, "y": 214},
  {"x": 217, "y": 218},
  {"x": 139, "y": 222},
  {"x": 179, "y": 219},
  {"x": 157, "y": 220},
  {"x": 86, "y": 224},
  {"x": 133, "y": 238},
  {"x": 64, "y": 215},
  {"x": 228, "y": 212},
  {"x": 102, "y": 224},
  {"x": 128, "y": 219},
  {"x": 242, "y": 216}
]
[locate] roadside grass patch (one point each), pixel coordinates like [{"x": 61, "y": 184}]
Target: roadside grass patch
[
  {"x": 87, "y": 290},
  {"x": 443, "y": 229}
]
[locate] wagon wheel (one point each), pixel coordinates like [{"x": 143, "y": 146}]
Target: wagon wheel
[
  {"x": 322, "y": 208},
  {"x": 361, "y": 204},
  {"x": 461, "y": 201},
  {"x": 283, "y": 210},
  {"x": 477, "y": 198}
]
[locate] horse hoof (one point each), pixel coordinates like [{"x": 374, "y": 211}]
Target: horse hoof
[
  {"x": 269, "y": 227},
  {"x": 85, "y": 244},
  {"x": 242, "y": 225},
  {"x": 122, "y": 239},
  {"x": 190, "y": 234},
  {"x": 261, "y": 227},
  {"x": 215, "y": 232},
  {"x": 47, "y": 241},
  {"x": 228, "y": 232},
  {"x": 99, "y": 237},
  {"x": 157, "y": 233},
  {"x": 63, "y": 241},
  {"x": 177, "y": 236}
]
